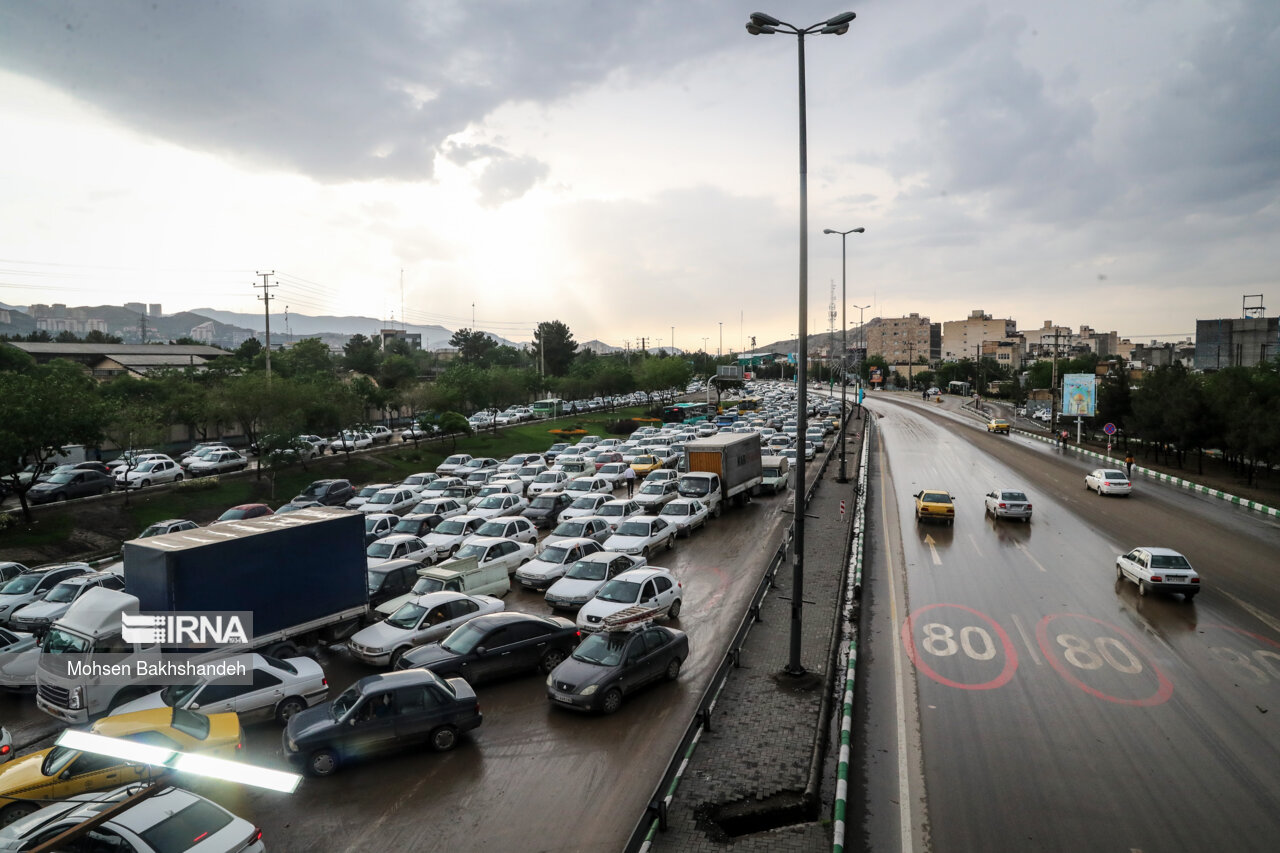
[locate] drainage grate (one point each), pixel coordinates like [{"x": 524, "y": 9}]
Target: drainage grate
[{"x": 733, "y": 820}]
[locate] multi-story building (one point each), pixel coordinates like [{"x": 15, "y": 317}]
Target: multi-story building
[
  {"x": 414, "y": 339},
  {"x": 1101, "y": 343},
  {"x": 1006, "y": 353},
  {"x": 1042, "y": 342},
  {"x": 962, "y": 338},
  {"x": 1236, "y": 342},
  {"x": 901, "y": 340}
]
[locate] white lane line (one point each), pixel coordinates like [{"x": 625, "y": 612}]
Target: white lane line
[
  {"x": 1023, "y": 549},
  {"x": 1265, "y": 618},
  {"x": 974, "y": 540},
  {"x": 1026, "y": 639}
]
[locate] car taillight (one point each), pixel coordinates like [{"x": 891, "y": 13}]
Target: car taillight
[
  {"x": 6, "y": 749},
  {"x": 1156, "y": 579},
  {"x": 325, "y": 682},
  {"x": 1004, "y": 506},
  {"x": 1195, "y": 580},
  {"x": 257, "y": 835},
  {"x": 1028, "y": 506}
]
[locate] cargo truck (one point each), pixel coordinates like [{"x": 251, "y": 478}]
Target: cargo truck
[
  {"x": 302, "y": 575},
  {"x": 722, "y": 468}
]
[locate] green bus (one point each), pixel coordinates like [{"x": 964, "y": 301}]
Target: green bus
[
  {"x": 552, "y": 407},
  {"x": 687, "y": 413}
]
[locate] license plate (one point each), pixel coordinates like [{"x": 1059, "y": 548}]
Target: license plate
[
  {"x": 530, "y": 584},
  {"x": 560, "y": 697},
  {"x": 1175, "y": 578}
]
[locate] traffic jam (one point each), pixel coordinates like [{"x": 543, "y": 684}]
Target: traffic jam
[{"x": 482, "y": 570}]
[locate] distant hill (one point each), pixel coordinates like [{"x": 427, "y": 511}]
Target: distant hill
[{"x": 433, "y": 337}]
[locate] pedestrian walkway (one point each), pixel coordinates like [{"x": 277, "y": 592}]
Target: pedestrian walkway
[{"x": 744, "y": 784}]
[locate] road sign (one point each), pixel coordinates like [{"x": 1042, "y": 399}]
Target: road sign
[{"x": 1109, "y": 429}]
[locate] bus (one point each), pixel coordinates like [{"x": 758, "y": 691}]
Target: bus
[
  {"x": 552, "y": 407},
  {"x": 687, "y": 413}
]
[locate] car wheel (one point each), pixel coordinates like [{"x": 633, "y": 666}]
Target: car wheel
[
  {"x": 1119, "y": 572},
  {"x": 60, "y": 496},
  {"x": 612, "y": 701},
  {"x": 674, "y": 610},
  {"x": 645, "y": 552},
  {"x": 177, "y": 479},
  {"x": 144, "y": 484},
  {"x": 444, "y": 738},
  {"x": 106, "y": 490},
  {"x": 16, "y": 811},
  {"x": 671, "y": 542},
  {"x": 1187, "y": 596},
  {"x": 288, "y": 707},
  {"x": 552, "y": 659},
  {"x": 1142, "y": 587},
  {"x": 323, "y": 762},
  {"x": 716, "y": 511},
  {"x": 673, "y": 669}
]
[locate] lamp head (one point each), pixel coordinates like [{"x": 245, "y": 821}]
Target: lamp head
[
  {"x": 829, "y": 231},
  {"x": 839, "y": 20},
  {"x": 760, "y": 19},
  {"x": 859, "y": 231},
  {"x": 757, "y": 30}
]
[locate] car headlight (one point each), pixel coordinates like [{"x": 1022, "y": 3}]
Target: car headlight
[
  {"x": 75, "y": 699},
  {"x": 293, "y": 744},
  {"x": 550, "y": 683},
  {"x": 589, "y": 689}
]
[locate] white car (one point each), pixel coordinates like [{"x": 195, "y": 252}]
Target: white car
[
  {"x": 443, "y": 507},
  {"x": 642, "y": 534},
  {"x": 613, "y": 472},
  {"x": 155, "y": 470},
  {"x": 478, "y": 463},
  {"x": 379, "y": 524},
  {"x": 413, "y": 433},
  {"x": 399, "y": 546},
  {"x": 652, "y": 497},
  {"x": 651, "y": 586},
  {"x": 585, "y": 578},
  {"x": 495, "y": 487},
  {"x": 553, "y": 561},
  {"x": 686, "y": 514},
  {"x": 351, "y": 441},
  {"x": 1160, "y": 569},
  {"x": 380, "y": 434},
  {"x": 1008, "y": 503},
  {"x": 618, "y": 511},
  {"x": 507, "y": 553},
  {"x": 548, "y": 481},
  {"x": 1108, "y": 481},
  {"x": 452, "y": 463},
  {"x": 396, "y": 499},
  {"x": 417, "y": 482},
  {"x": 527, "y": 473},
  {"x": 585, "y": 505},
  {"x": 199, "y": 452},
  {"x": 361, "y": 497},
  {"x": 435, "y": 488},
  {"x": 584, "y": 527},
  {"x": 448, "y": 535},
  {"x": 496, "y": 506},
  {"x": 580, "y": 486},
  {"x": 217, "y": 462},
  {"x": 280, "y": 689},
  {"x": 661, "y": 475},
  {"x": 517, "y": 528},
  {"x": 420, "y": 620}
]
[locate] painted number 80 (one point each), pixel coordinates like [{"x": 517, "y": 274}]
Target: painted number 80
[{"x": 939, "y": 640}]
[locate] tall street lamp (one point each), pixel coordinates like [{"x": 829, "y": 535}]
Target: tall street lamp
[
  {"x": 844, "y": 343},
  {"x": 861, "y": 346},
  {"x": 762, "y": 24}
]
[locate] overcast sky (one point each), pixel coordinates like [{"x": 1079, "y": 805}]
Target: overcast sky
[{"x": 629, "y": 167}]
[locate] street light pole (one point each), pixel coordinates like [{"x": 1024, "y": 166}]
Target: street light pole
[
  {"x": 844, "y": 345},
  {"x": 762, "y": 24},
  {"x": 862, "y": 347}
]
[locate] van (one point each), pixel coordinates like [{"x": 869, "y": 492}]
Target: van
[
  {"x": 465, "y": 575},
  {"x": 777, "y": 470}
]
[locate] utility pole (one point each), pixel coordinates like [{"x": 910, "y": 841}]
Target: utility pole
[
  {"x": 911, "y": 352},
  {"x": 266, "y": 298},
  {"x": 720, "y": 349},
  {"x": 673, "y": 340},
  {"x": 1053, "y": 384},
  {"x": 644, "y": 344}
]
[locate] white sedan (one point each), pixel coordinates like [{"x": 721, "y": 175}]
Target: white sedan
[
  {"x": 650, "y": 586},
  {"x": 687, "y": 514},
  {"x": 553, "y": 561},
  {"x": 152, "y": 472},
  {"x": 1108, "y": 481},
  {"x": 361, "y": 497},
  {"x": 448, "y": 534},
  {"x": 548, "y": 481},
  {"x": 494, "y": 487},
  {"x": 1008, "y": 503},
  {"x": 507, "y": 553},
  {"x": 614, "y": 472},
  {"x": 443, "y": 507},
  {"x": 396, "y": 499},
  {"x": 1161, "y": 569},
  {"x": 585, "y": 578},
  {"x": 420, "y": 620},
  {"x": 583, "y": 506},
  {"x": 642, "y": 535},
  {"x": 518, "y": 528},
  {"x": 417, "y": 482},
  {"x": 217, "y": 462},
  {"x": 351, "y": 441},
  {"x": 496, "y": 506},
  {"x": 652, "y": 497},
  {"x": 399, "y": 546},
  {"x": 618, "y": 511},
  {"x": 584, "y": 527},
  {"x": 580, "y": 486},
  {"x": 280, "y": 689}
]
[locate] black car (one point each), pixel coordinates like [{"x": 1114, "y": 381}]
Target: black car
[
  {"x": 418, "y": 523},
  {"x": 65, "y": 485},
  {"x": 497, "y": 645},
  {"x": 327, "y": 492},
  {"x": 391, "y": 579},
  {"x": 544, "y": 510},
  {"x": 381, "y": 714},
  {"x": 611, "y": 664}
]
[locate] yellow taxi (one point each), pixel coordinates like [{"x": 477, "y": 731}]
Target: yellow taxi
[
  {"x": 644, "y": 464},
  {"x": 934, "y": 505},
  {"x": 998, "y": 425},
  {"x": 58, "y": 772}
]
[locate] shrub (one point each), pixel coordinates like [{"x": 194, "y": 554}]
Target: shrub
[
  {"x": 199, "y": 484},
  {"x": 626, "y": 426}
]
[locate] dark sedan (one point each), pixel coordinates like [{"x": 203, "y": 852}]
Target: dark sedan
[
  {"x": 497, "y": 645},
  {"x": 391, "y": 579},
  {"x": 418, "y": 523},
  {"x": 544, "y": 510},
  {"x": 381, "y": 714},
  {"x": 611, "y": 664},
  {"x": 65, "y": 485},
  {"x": 328, "y": 492}
]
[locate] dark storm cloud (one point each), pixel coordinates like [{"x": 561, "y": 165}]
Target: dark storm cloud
[{"x": 338, "y": 90}]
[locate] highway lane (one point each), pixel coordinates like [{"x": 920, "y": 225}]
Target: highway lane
[{"x": 1057, "y": 709}]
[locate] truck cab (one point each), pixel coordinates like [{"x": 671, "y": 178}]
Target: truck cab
[{"x": 704, "y": 486}]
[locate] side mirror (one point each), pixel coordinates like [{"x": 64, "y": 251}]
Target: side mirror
[
  {"x": 916, "y": 495},
  {"x": 481, "y": 649},
  {"x": 194, "y": 706}
]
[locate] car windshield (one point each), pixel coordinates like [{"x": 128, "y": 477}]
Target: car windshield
[
  {"x": 676, "y": 509},
  {"x": 367, "y": 492},
  {"x": 477, "y": 551},
  {"x": 633, "y": 528},
  {"x": 553, "y": 554},
  {"x": 771, "y": 472},
  {"x": 612, "y": 509},
  {"x": 546, "y": 477},
  {"x": 541, "y": 502},
  {"x": 60, "y": 479},
  {"x": 1012, "y": 496},
  {"x": 407, "y": 616},
  {"x": 20, "y": 584},
  {"x": 345, "y": 702},
  {"x": 528, "y": 471},
  {"x": 587, "y": 570},
  {"x": 449, "y": 527},
  {"x": 652, "y": 489},
  {"x": 696, "y": 486},
  {"x": 1169, "y": 561},
  {"x": 578, "y": 486},
  {"x": 934, "y": 497},
  {"x": 604, "y": 648},
  {"x": 410, "y": 525},
  {"x": 58, "y": 642},
  {"x": 176, "y": 694},
  {"x": 372, "y": 523},
  {"x": 1114, "y": 475},
  {"x": 585, "y": 502},
  {"x": 179, "y": 830},
  {"x": 463, "y": 639},
  {"x": 315, "y": 490},
  {"x": 620, "y": 591},
  {"x": 492, "y": 502},
  {"x": 144, "y": 467},
  {"x": 62, "y": 593},
  {"x": 426, "y": 585},
  {"x": 382, "y": 498},
  {"x": 380, "y": 550},
  {"x": 492, "y": 528},
  {"x": 569, "y": 528}
]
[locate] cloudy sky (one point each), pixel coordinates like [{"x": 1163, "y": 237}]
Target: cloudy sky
[{"x": 629, "y": 167}]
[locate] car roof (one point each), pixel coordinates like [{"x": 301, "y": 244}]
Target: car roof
[
  {"x": 1164, "y": 552},
  {"x": 570, "y": 541},
  {"x": 389, "y": 565},
  {"x": 249, "y": 506},
  {"x": 398, "y": 537},
  {"x": 642, "y": 573}
]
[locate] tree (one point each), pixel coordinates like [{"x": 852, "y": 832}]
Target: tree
[
  {"x": 453, "y": 423},
  {"x": 361, "y": 355},
  {"x": 553, "y": 348},
  {"x": 308, "y": 358},
  {"x": 93, "y": 336},
  {"x": 46, "y": 407},
  {"x": 473, "y": 347}
]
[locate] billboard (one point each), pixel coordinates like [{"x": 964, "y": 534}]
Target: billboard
[
  {"x": 876, "y": 378},
  {"x": 1079, "y": 394}
]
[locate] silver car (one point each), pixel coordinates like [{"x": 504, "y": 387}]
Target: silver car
[{"x": 1009, "y": 503}]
